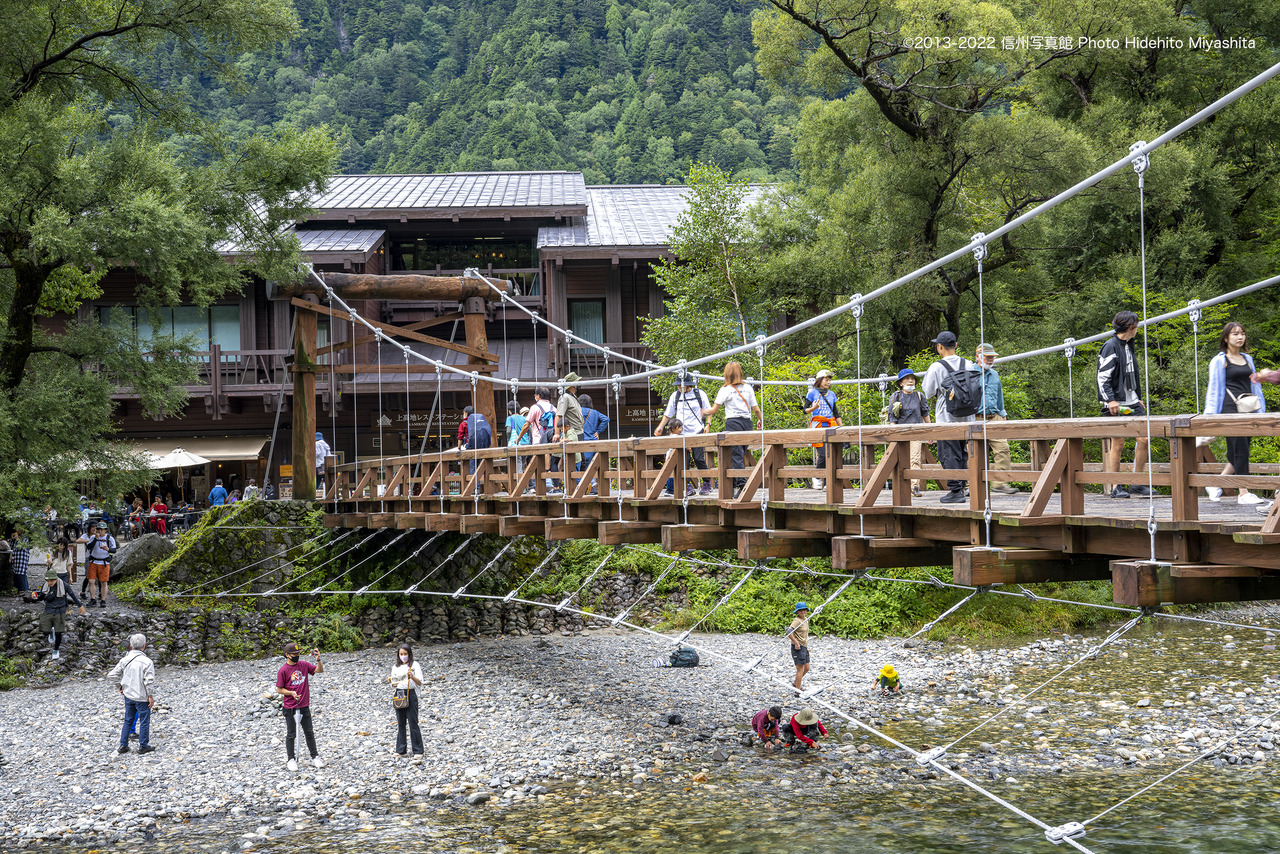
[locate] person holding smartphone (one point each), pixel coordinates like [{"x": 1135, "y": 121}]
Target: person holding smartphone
[{"x": 292, "y": 683}]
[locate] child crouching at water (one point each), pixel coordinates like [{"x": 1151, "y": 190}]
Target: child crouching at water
[
  {"x": 765, "y": 724},
  {"x": 888, "y": 682},
  {"x": 805, "y": 729}
]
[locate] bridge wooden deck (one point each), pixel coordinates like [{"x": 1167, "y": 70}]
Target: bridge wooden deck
[{"x": 1060, "y": 528}]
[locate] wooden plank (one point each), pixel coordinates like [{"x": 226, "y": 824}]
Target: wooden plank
[
  {"x": 1271, "y": 524},
  {"x": 304, "y": 406},
  {"x": 355, "y": 520},
  {"x": 629, "y": 533},
  {"x": 333, "y": 520},
  {"x": 593, "y": 471},
  {"x": 382, "y": 520},
  {"x": 888, "y": 467},
  {"x": 414, "y": 367},
  {"x": 1186, "y": 503},
  {"x": 761, "y": 544},
  {"x": 443, "y": 521},
  {"x": 660, "y": 481},
  {"x": 561, "y": 528},
  {"x": 516, "y": 526},
  {"x": 854, "y": 553},
  {"x": 483, "y": 523},
  {"x": 978, "y": 566},
  {"x": 397, "y": 331},
  {"x": 1049, "y": 479},
  {"x": 1139, "y": 584},
  {"x": 680, "y": 538},
  {"x": 405, "y": 521},
  {"x": 1187, "y": 570}
]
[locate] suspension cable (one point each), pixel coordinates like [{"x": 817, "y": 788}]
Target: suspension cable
[{"x": 1141, "y": 163}]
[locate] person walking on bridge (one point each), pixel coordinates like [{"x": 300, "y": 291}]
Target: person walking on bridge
[
  {"x": 686, "y": 405},
  {"x": 568, "y": 424},
  {"x": 957, "y": 386},
  {"x": 1231, "y": 384},
  {"x": 1120, "y": 395},
  {"x": 823, "y": 412},
  {"x": 908, "y": 406},
  {"x": 739, "y": 401},
  {"x": 992, "y": 409}
]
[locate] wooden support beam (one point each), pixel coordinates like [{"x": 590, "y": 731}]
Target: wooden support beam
[
  {"x": 369, "y": 339},
  {"x": 443, "y": 521},
  {"x": 978, "y": 566},
  {"x": 393, "y": 369},
  {"x": 405, "y": 521},
  {"x": 516, "y": 526},
  {"x": 474, "y": 351},
  {"x": 668, "y": 470},
  {"x": 333, "y": 520},
  {"x": 629, "y": 533},
  {"x": 355, "y": 520},
  {"x": 896, "y": 456},
  {"x": 680, "y": 538},
  {"x": 304, "y": 405},
  {"x": 382, "y": 520},
  {"x": 407, "y": 286},
  {"x": 478, "y": 341},
  {"x": 1183, "y": 461},
  {"x": 481, "y": 524},
  {"x": 1139, "y": 584},
  {"x": 560, "y": 528},
  {"x": 853, "y": 553},
  {"x": 761, "y": 544}
]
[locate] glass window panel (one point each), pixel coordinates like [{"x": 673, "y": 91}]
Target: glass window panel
[
  {"x": 153, "y": 320},
  {"x": 586, "y": 320},
  {"x": 192, "y": 320},
  {"x": 225, "y": 326}
]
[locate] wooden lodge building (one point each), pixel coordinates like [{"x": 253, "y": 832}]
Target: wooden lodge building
[{"x": 579, "y": 256}]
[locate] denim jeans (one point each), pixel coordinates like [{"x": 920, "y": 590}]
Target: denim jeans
[{"x": 142, "y": 712}]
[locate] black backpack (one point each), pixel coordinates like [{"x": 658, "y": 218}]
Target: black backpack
[
  {"x": 685, "y": 656},
  {"x": 962, "y": 389}
]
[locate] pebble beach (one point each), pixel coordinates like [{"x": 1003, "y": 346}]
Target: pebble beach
[{"x": 512, "y": 723}]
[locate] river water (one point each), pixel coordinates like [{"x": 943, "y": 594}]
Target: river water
[{"x": 747, "y": 810}]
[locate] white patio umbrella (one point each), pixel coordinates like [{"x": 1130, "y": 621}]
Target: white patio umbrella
[{"x": 179, "y": 459}]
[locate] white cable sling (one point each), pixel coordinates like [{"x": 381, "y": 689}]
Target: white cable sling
[{"x": 1141, "y": 163}]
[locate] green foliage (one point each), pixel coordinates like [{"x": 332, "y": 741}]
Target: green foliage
[
  {"x": 331, "y": 635},
  {"x": 94, "y": 175},
  {"x": 10, "y": 675},
  {"x": 624, "y": 92}
]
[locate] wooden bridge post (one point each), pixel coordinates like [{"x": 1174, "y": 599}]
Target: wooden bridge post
[
  {"x": 835, "y": 460},
  {"x": 304, "y": 406},
  {"x": 977, "y": 470},
  {"x": 1183, "y": 464}
]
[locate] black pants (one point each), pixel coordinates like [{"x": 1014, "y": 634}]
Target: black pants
[
  {"x": 291, "y": 731},
  {"x": 1237, "y": 446},
  {"x": 698, "y": 460},
  {"x": 409, "y": 715},
  {"x": 954, "y": 454},
  {"x": 737, "y": 454}
]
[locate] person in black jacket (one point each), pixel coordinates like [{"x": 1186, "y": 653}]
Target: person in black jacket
[{"x": 1119, "y": 394}]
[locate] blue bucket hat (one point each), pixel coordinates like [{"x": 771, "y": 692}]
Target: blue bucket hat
[
  {"x": 319, "y": 435},
  {"x": 904, "y": 373},
  {"x": 800, "y": 606}
]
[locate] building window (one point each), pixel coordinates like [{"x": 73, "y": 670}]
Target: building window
[
  {"x": 218, "y": 324},
  {"x": 425, "y": 254},
  {"x": 586, "y": 320}
]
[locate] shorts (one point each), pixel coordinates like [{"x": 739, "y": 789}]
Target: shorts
[
  {"x": 97, "y": 571},
  {"x": 800, "y": 656},
  {"x": 1139, "y": 410},
  {"x": 56, "y": 621}
]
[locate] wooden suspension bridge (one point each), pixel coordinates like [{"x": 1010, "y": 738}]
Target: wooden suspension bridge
[{"x": 865, "y": 516}]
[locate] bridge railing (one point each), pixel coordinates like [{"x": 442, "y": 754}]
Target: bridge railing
[{"x": 877, "y": 473}]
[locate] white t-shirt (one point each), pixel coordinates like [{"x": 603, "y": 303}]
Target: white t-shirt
[
  {"x": 400, "y": 673},
  {"x": 932, "y": 387},
  {"x": 687, "y": 406},
  {"x": 738, "y": 401}
]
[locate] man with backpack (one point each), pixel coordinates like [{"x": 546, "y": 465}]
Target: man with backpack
[
  {"x": 957, "y": 385},
  {"x": 540, "y": 423},
  {"x": 98, "y": 550},
  {"x": 686, "y": 405}
]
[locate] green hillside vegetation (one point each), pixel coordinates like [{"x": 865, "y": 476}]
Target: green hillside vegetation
[{"x": 626, "y": 92}]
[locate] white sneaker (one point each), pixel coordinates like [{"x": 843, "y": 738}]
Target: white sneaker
[
  {"x": 56, "y": 655},
  {"x": 317, "y": 762},
  {"x": 1214, "y": 492},
  {"x": 1266, "y": 508},
  {"x": 1250, "y": 498},
  {"x": 292, "y": 765},
  {"x": 817, "y": 483}
]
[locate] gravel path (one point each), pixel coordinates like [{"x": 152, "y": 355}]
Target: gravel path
[{"x": 523, "y": 720}]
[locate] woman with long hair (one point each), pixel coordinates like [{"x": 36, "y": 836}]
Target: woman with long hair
[
  {"x": 739, "y": 401},
  {"x": 1230, "y": 379},
  {"x": 406, "y": 676}
]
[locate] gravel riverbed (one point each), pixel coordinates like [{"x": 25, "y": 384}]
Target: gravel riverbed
[{"x": 511, "y": 723}]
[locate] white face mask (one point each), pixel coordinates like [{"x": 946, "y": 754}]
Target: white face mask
[
  {"x": 404, "y": 659},
  {"x": 908, "y": 387}
]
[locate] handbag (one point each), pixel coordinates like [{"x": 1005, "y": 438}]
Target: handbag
[
  {"x": 400, "y": 699},
  {"x": 1246, "y": 403}
]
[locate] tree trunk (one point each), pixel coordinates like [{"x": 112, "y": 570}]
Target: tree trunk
[{"x": 15, "y": 349}]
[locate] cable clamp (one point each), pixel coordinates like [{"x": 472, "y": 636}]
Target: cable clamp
[
  {"x": 1195, "y": 314},
  {"x": 933, "y": 579},
  {"x": 1149, "y": 610},
  {"x": 1027, "y": 593},
  {"x": 1141, "y": 162},
  {"x": 986, "y": 515},
  {"x": 980, "y": 251},
  {"x": 535, "y": 317},
  {"x": 1151, "y": 526},
  {"x": 617, "y": 384},
  {"x": 932, "y": 755},
  {"x": 560, "y": 608},
  {"x": 753, "y": 663},
  {"x": 1070, "y": 350},
  {"x": 859, "y": 574},
  {"x": 859, "y": 308},
  {"x": 683, "y": 637},
  {"x": 883, "y": 382},
  {"x": 1070, "y": 830},
  {"x": 760, "y": 345},
  {"x": 811, "y": 693}
]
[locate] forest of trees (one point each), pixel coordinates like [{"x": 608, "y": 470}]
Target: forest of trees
[{"x": 626, "y": 92}]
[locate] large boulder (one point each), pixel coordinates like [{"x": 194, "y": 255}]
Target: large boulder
[{"x": 140, "y": 555}]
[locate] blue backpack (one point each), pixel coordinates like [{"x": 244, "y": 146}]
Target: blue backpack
[{"x": 479, "y": 435}]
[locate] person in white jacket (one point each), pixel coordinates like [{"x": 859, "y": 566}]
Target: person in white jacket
[
  {"x": 134, "y": 675},
  {"x": 1231, "y": 377},
  {"x": 406, "y": 676}
]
